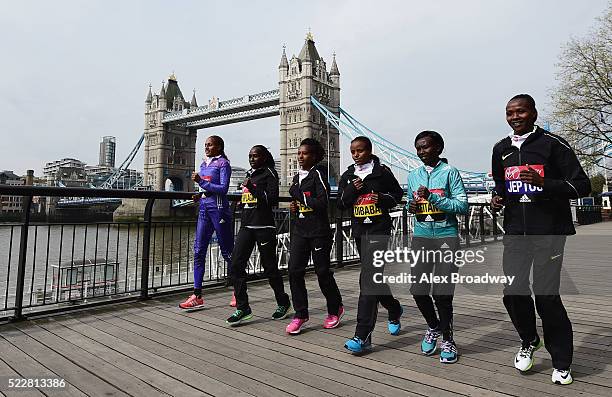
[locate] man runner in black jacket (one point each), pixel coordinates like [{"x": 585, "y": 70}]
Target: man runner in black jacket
[{"x": 536, "y": 173}]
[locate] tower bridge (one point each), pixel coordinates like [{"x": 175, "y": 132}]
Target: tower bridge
[{"x": 171, "y": 122}]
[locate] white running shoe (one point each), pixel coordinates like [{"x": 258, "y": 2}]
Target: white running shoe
[
  {"x": 523, "y": 360},
  {"x": 562, "y": 376}
]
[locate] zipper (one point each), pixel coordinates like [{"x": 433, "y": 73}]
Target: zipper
[
  {"x": 522, "y": 204},
  {"x": 431, "y": 223}
]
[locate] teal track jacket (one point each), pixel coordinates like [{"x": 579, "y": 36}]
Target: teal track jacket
[{"x": 436, "y": 216}]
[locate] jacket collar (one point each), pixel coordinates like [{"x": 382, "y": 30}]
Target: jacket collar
[
  {"x": 375, "y": 170},
  {"x": 538, "y": 132}
]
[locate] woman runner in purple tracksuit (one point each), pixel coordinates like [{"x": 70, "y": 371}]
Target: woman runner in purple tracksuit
[{"x": 214, "y": 214}]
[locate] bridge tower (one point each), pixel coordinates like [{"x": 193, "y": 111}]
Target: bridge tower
[
  {"x": 169, "y": 151},
  {"x": 299, "y": 78}
]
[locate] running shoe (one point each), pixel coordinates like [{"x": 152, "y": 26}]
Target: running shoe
[
  {"x": 295, "y": 326},
  {"x": 562, "y": 376},
  {"x": 193, "y": 302},
  {"x": 394, "y": 326},
  {"x": 233, "y": 300},
  {"x": 281, "y": 312},
  {"x": 448, "y": 352},
  {"x": 332, "y": 320},
  {"x": 523, "y": 360},
  {"x": 239, "y": 317},
  {"x": 429, "y": 342},
  {"x": 357, "y": 346}
]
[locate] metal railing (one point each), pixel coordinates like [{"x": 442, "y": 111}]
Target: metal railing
[{"x": 48, "y": 267}]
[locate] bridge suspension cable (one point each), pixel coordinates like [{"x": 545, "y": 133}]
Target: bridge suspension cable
[{"x": 392, "y": 154}]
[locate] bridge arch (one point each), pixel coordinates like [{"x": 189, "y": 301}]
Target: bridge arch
[{"x": 174, "y": 184}]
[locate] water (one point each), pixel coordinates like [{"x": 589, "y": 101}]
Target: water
[{"x": 53, "y": 246}]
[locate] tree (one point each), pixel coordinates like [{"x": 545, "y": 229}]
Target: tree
[
  {"x": 582, "y": 102},
  {"x": 597, "y": 183}
]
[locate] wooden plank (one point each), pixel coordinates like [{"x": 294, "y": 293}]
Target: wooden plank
[
  {"x": 7, "y": 372},
  {"x": 204, "y": 384},
  {"x": 119, "y": 379},
  {"x": 74, "y": 374},
  {"x": 258, "y": 360},
  {"x": 502, "y": 361},
  {"x": 123, "y": 356},
  {"x": 423, "y": 364},
  {"x": 222, "y": 332},
  {"x": 27, "y": 367},
  {"x": 173, "y": 348},
  {"x": 405, "y": 373},
  {"x": 225, "y": 369}
]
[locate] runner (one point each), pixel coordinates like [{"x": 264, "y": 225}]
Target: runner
[
  {"x": 436, "y": 194},
  {"x": 214, "y": 214},
  {"x": 311, "y": 236},
  {"x": 536, "y": 173},
  {"x": 370, "y": 190},
  {"x": 259, "y": 196}
]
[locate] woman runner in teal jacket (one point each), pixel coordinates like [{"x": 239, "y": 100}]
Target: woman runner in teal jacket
[{"x": 436, "y": 195}]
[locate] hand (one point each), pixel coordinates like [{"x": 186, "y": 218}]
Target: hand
[
  {"x": 293, "y": 207},
  {"x": 497, "y": 203},
  {"x": 195, "y": 177},
  {"x": 358, "y": 183},
  {"x": 423, "y": 192},
  {"x": 531, "y": 177},
  {"x": 196, "y": 197},
  {"x": 374, "y": 197},
  {"x": 412, "y": 207},
  {"x": 246, "y": 182}
]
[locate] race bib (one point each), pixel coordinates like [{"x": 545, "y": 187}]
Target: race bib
[
  {"x": 514, "y": 185},
  {"x": 426, "y": 211},
  {"x": 247, "y": 197},
  {"x": 365, "y": 207},
  {"x": 302, "y": 208}
]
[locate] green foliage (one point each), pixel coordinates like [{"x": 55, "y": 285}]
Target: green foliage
[
  {"x": 582, "y": 101},
  {"x": 597, "y": 183}
]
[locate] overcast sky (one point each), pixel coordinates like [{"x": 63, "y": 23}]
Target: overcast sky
[{"x": 74, "y": 71}]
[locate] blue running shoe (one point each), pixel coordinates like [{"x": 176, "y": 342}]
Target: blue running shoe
[
  {"x": 394, "y": 326},
  {"x": 448, "y": 352},
  {"x": 356, "y": 345},
  {"x": 429, "y": 342}
]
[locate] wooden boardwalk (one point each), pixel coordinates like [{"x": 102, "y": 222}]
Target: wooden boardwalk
[{"x": 151, "y": 348}]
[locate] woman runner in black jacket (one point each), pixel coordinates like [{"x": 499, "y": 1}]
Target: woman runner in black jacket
[
  {"x": 370, "y": 190},
  {"x": 259, "y": 196},
  {"x": 311, "y": 235}
]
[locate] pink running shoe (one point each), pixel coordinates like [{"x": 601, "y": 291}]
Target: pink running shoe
[
  {"x": 332, "y": 321},
  {"x": 233, "y": 301},
  {"x": 193, "y": 302},
  {"x": 295, "y": 326}
]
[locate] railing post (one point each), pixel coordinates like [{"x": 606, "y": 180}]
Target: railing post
[
  {"x": 146, "y": 246},
  {"x": 404, "y": 221},
  {"x": 339, "y": 242},
  {"x": 467, "y": 228},
  {"x": 482, "y": 224},
  {"x": 21, "y": 264},
  {"x": 494, "y": 230}
]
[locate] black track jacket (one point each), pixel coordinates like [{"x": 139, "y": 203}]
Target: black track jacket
[
  {"x": 313, "y": 197},
  {"x": 380, "y": 181},
  {"x": 534, "y": 210},
  {"x": 259, "y": 197}
]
